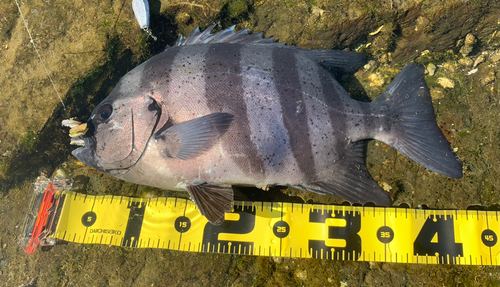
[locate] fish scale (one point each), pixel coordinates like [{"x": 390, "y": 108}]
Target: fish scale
[{"x": 229, "y": 108}]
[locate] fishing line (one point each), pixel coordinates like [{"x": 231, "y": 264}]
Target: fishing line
[{"x": 39, "y": 57}]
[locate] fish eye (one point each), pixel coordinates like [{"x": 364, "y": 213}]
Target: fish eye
[{"x": 105, "y": 111}]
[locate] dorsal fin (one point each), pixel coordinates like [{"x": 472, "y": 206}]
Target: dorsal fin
[{"x": 225, "y": 36}]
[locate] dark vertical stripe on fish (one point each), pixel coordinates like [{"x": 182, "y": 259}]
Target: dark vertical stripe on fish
[
  {"x": 320, "y": 127},
  {"x": 224, "y": 93},
  {"x": 157, "y": 73},
  {"x": 338, "y": 100},
  {"x": 295, "y": 117}
]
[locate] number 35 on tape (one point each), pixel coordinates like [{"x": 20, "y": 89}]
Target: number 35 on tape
[{"x": 286, "y": 230}]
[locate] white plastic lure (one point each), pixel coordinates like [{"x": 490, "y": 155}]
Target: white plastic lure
[{"x": 141, "y": 11}]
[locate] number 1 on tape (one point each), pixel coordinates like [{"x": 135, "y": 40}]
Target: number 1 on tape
[{"x": 286, "y": 230}]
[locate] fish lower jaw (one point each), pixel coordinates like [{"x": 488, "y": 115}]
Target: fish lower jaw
[{"x": 77, "y": 141}]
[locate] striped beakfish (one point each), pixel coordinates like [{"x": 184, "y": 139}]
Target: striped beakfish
[{"x": 231, "y": 108}]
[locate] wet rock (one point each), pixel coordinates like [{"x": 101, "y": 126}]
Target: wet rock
[
  {"x": 381, "y": 44},
  {"x": 182, "y": 18},
  {"x": 451, "y": 66},
  {"x": 384, "y": 40},
  {"x": 446, "y": 83},
  {"x": 489, "y": 78},
  {"x": 423, "y": 25},
  {"x": 437, "y": 93},
  {"x": 466, "y": 61},
  {"x": 495, "y": 56},
  {"x": 468, "y": 46},
  {"x": 237, "y": 7}
]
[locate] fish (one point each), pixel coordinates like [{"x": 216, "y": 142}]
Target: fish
[{"x": 225, "y": 109}]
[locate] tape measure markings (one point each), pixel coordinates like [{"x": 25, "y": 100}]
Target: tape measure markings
[{"x": 303, "y": 230}]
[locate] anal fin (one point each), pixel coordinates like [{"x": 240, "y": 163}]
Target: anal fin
[
  {"x": 212, "y": 200},
  {"x": 351, "y": 180}
]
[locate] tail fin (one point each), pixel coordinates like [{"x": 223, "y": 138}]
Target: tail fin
[{"x": 413, "y": 130}]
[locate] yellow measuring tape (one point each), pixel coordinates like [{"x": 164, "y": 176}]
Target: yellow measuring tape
[{"x": 285, "y": 229}]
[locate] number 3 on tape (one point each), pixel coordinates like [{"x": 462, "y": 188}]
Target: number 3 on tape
[{"x": 286, "y": 229}]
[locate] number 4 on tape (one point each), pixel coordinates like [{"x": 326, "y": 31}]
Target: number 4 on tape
[{"x": 286, "y": 229}]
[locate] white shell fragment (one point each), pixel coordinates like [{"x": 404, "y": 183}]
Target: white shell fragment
[
  {"x": 77, "y": 141},
  {"x": 78, "y": 130},
  {"x": 141, "y": 11},
  {"x": 473, "y": 71},
  {"x": 70, "y": 123}
]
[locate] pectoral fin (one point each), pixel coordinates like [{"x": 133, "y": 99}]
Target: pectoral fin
[
  {"x": 190, "y": 139},
  {"x": 213, "y": 201}
]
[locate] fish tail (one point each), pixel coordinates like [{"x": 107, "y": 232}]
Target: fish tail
[{"x": 409, "y": 123}]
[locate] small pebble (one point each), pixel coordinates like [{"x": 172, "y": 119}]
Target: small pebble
[
  {"x": 446, "y": 83},
  {"x": 495, "y": 57},
  {"x": 431, "y": 69},
  {"x": 317, "y": 11},
  {"x": 370, "y": 66},
  {"x": 470, "y": 40},
  {"x": 301, "y": 274},
  {"x": 4, "y": 261},
  {"x": 60, "y": 172},
  {"x": 468, "y": 46},
  {"x": 376, "y": 80},
  {"x": 386, "y": 58},
  {"x": 386, "y": 186},
  {"x": 478, "y": 61}
]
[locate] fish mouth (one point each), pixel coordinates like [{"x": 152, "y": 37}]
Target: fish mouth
[{"x": 86, "y": 153}]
